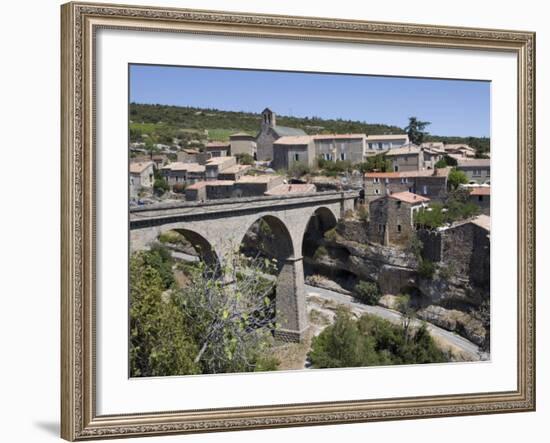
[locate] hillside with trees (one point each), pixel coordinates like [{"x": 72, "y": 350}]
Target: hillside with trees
[{"x": 163, "y": 123}]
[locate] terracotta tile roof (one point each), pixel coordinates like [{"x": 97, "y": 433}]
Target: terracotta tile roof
[
  {"x": 481, "y": 190},
  {"x": 293, "y": 140},
  {"x": 442, "y": 172},
  {"x": 483, "y": 221},
  {"x": 219, "y": 160},
  {"x": 181, "y": 166},
  {"x": 139, "y": 167},
  {"x": 474, "y": 163},
  {"x": 292, "y": 189},
  {"x": 409, "y": 149},
  {"x": 386, "y": 137},
  {"x": 202, "y": 184},
  {"x": 338, "y": 136},
  {"x": 257, "y": 178},
  {"x": 409, "y": 197}
]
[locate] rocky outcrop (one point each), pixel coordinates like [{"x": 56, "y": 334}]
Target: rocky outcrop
[
  {"x": 447, "y": 298},
  {"x": 454, "y": 320}
]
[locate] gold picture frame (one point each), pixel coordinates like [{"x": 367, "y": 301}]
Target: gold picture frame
[{"x": 80, "y": 21}]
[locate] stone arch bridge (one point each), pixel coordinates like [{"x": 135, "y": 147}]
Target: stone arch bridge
[{"x": 216, "y": 228}]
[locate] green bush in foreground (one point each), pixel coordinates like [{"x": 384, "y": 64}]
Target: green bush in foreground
[
  {"x": 371, "y": 341},
  {"x": 367, "y": 292}
]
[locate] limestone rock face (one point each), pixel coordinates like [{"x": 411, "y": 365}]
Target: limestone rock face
[{"x": 453, "y": 320}]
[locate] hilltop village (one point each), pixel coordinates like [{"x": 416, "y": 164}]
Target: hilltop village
[{"x": 416, "y": 242}]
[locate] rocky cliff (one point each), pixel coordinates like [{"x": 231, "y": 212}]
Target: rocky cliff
[{"x": 453, "y": 297}]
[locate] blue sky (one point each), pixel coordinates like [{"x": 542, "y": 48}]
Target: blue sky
[{"x": 455, "y": 107}]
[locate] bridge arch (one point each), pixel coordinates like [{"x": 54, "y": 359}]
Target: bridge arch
[
  {"x": 200, "y": 244},
  {"x": 290, "y": 310},
  {"x": 321, "y": 220}
]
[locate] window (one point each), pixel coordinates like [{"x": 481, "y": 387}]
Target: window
[
  {"x": 297, "y": 157},
  {"x": 398, "y": 203},
  {"x": 395, "y": 168},
  {"x": 424, "y": 189},
  {"x": 376, "y": 180},
  {"x": 380, "y": 146},
  {"x": 377, "y": 191},
  {"x": 342, "y": 155},
  {"x": 398, "y": 228},
  {"x": 387, "y": 180},
  {"x": 476, "y": 173},
  {"x": 370, "y": 146},
  {"x": 480, "y": 198},
  {"x": 404, "y": 180}
]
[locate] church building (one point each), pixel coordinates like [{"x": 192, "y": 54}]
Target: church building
[{"x": 269, "y": 132}]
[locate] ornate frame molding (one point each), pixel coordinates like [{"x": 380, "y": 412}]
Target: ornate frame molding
[{"x": 79, "y": 23}]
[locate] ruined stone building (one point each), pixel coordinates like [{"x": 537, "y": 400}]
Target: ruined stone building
[
  {"x": 481, "y": 196},
  {"x": 391, "y": 218},
  {"x": 141, "y": 177}
]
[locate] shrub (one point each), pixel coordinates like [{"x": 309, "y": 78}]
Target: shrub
[
  {"x": 367, "y": 292},
  {"x": 441, "y": 164},
  {"x": 415, "y": 246},
  {"x": 331, "y": 234},
  {"x": 363, "y": 212},
  {"x": 299, "y": 169},
  {"x": 371, "y": 341},
  {"x": 457, "y": 178},
  {"x": 172, "y": 237},
  {"x": 320, "y": 252},
  {"x": 160, "y": 186},
  {"x": 245, "y": 159},
  {"x": 426, "y": 269}
]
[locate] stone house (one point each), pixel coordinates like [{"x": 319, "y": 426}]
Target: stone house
[
  {"x": 460, "y": 150},
  {"x": 428, "y": 183},
  {"x": 210, "y": 190},
  {"x": 333, "y": 147},
  {"x": 269, "y": 132},
  {"x": 293, "y": 149},
  {"x": 243, "y": 143},
  {"x": 142, "y": 176},
  {"x": 477, "y": 170},
  {"x": 253, "y": 185},
  {"x": 193, "y": 156},
  {"x": 406, "y": 158},
  {"x": 391, "y": 218},
  {"x": 481, "y": 196},
  {"x": 217, "y": 149},
  {"x": 216, "y": 165},
  {"x": 234, "y": 172},
  {"x": 179, "y": 172},
  {"x": 376, "y": 144}
]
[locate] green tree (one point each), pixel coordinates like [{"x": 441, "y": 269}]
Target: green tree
[
  {"x": 245, "y": 159},
  {"x": 376, "y": 163},
  {"x": 160, "y": 186},
  {"x": 160, "y": 343},
  {"x": 457, "y": 178},
  {"x": 370, "y": 341},
  {"x": 415, "y": 130},
  {"x": 231, "y": 323},
  {"x": 367, "y": 292}
]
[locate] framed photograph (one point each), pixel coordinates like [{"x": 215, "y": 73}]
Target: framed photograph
[{"x": 277, "y": 221}]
